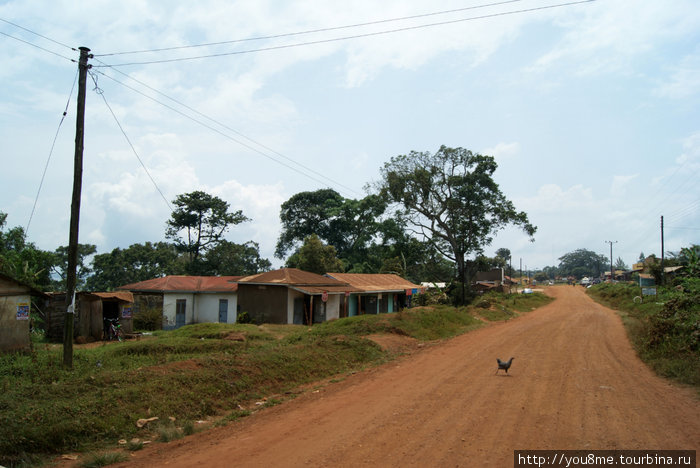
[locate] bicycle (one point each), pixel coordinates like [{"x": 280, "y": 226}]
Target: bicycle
[{"x": 114, "y": 331}]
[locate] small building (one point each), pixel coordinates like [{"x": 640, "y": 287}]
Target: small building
[
  {"x": 292, "y": 296},
  {"x": 185, "y": 300},
  {"x": 15, "y": 307},
  {"x": 492, "y": 280},
  {"x": 377, "y": 293},
  {"x": 92, "y": 310}
]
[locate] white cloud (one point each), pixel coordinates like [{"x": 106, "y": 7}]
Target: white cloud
[
  {"x": 503, "y": 151},
  {"x": 620, "y": 184},
  {"x": 260, "y": 203},
  {"x": 605, "y": 37},
  {"x": 684, "y": 82}
]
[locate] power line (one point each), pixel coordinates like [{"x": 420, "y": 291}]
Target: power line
[
  {"x": 37, "y": 34},
  {"x": 325, "y": 178},
  {"x": 38, "y": 47},
  {"x": 345, "y": 38},
  {"x": 311, "y": 31},
  {"x": 43, "y": 175},
  {"x": 99, "y": 91}
]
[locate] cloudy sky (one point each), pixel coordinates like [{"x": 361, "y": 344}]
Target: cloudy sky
[{"x": 591, "y": 109}]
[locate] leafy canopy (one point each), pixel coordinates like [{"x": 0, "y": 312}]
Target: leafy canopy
[
  {"x": 449, "y": 198},
  {"x": 204, "y": 218}
]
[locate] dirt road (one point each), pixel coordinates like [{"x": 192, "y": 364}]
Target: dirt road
[{"x": 575, "y": 383}]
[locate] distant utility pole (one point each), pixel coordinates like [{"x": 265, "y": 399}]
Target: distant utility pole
[
  {"x": 71, "y": 276},
  {"x": 612, "y": 272},
  {"x": 662, "y": 250}
]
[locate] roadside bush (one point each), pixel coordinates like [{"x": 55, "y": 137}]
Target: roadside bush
[
  {"x": 430, "y": 297},
  {"x": 148, "y": 318},
  {"x": 244, "y": 317},
  {"x": 665, "y": 330}
]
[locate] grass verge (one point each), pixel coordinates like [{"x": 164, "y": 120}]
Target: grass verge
[
  {"x": 664, "y": 329},
  {"x": 213, "y": 372}
]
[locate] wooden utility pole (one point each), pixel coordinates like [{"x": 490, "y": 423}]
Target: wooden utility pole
[
  {"x": 612, "y": 271},
  {"x": 662, "y": 251},
  {"x": 71, "y": 275}
]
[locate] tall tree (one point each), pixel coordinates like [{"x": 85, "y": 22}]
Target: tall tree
[
  {"x": 450, "y": 199},
  {"x": 583, "y": 262},
  {"x": 308, "y": 213},
  {"x": 204, "y": 219},
  {"x": 620, "y": 264},
  {"x": 228, "y": 258},
  {"x": 505, "y": 255},
  {"x": 82, "y": 267},
  {"x": 348, "y": 225},
  {"x": 138, "y": 262},
  {"x": 21, "y": 260},
  {"x": 315, "y": 257}
]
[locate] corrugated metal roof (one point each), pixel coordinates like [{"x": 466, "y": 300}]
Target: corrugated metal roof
[
  {"x": 375, "y": 282},
  {"x": 185, "y": 284},
  {"x": 124, "y": 296},
  {"x": 291, "y": 276},
  {"x": 307, "y": 282}
]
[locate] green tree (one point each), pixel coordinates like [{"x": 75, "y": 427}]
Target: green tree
[
  {"x": 690, "y": 258},
  {"x": 315, "y": 257},
  {"x": 583, "y": 262},
  {"x": 231, "y": 259},
  {"x": 21, "y": 260},
  {"x": 204, "y": 219},
  {"x": 83, "y": 270},
  {"x": 138, "y": 262},
  {"x": 351, "y": 226},
  {"x": 308, "y": 213},
  {"x": 550, "y": 271},
  {"x": 620, "y": 264},
  {"x": 449, "y": 198}
]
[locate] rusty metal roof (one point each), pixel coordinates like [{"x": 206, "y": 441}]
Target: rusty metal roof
[
  {"x": 122, "y": 296},
  {"x": 371, "y": 282},
  {"x": 305, "y": 281},
  {"x": 177, "y": 283}
]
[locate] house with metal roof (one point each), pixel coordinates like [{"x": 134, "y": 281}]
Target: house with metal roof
[
  {"x": 290, "y": 295},
  {"x": 186, "y": 300},
  {"x": 377, "y": 293}
]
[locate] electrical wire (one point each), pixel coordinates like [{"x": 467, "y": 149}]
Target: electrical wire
[
  {"x": 216, "y": 130},
  {"x": 99, "y": 91},
  {"x": 48, "y": 160},
  {"x": 38, "y": 47},
  {"x": 345, "y": 38},
  {"x": 338, "y": 184},
  {"x": 37, "y": 34},
  {"x": 311, "y": 31}
]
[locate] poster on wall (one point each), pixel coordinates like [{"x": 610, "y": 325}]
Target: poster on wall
[
  {"x": 126, "y": 312},
  {"x": 23, "y": 311}
]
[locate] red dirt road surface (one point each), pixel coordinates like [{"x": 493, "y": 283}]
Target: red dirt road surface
[{"x": 575, "y": 383}]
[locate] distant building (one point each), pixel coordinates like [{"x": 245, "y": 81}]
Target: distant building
[
  {"x": 15, "y": 308},
  {"x": 188, "y": 299},
  {"x": 378, "y": 293},
  {"x": 292, "y": 296}
]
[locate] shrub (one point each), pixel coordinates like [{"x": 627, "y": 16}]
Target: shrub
[{"x": 148, "y": 318}]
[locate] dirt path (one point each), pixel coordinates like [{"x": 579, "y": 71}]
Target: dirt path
[{"x": 575, "y": 383}]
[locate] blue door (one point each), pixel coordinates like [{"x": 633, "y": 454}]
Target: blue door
[
  {"x": 180, "y": 317},
  {"x": 223, "y": 310}
]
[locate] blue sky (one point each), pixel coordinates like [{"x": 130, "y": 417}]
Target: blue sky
[{"x": 591, "y": 111}]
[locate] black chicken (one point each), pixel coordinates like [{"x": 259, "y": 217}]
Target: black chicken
[{"x": 505, "y": 365}]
